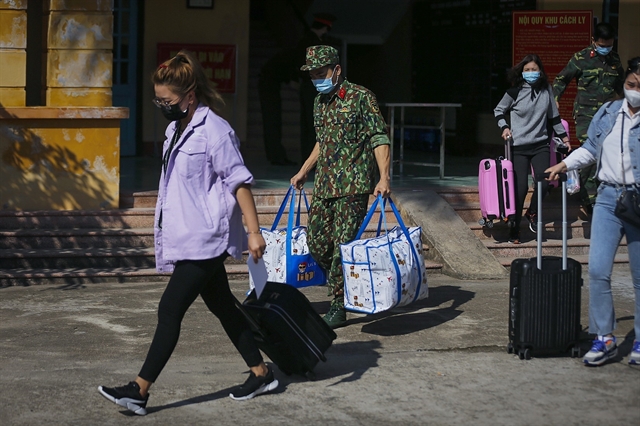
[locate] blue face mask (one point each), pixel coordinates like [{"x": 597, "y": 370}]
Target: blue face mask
[
  {"x": 603, "y": 51},
  {"x": 324, "y": 85},
  {"x": 531, "y": 76}
]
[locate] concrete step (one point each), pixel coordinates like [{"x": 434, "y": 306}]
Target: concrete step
[
  {"x": 583, "y": 259},
  {"x": 81, "y": 276},
  {"x": 81, "y": 258},
  {"x": 65, "y": 219},
  {"x": 528, "y": 248},
  {"x": 470, "y": 212},
  {"x": 261, "y": 197},
  {"x": 76, "y": 238},
  {"x": 577, "y": 228}
]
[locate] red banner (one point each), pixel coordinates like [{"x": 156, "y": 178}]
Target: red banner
[
  {"x": 554, "y": 36},
  {"x": 218, "y": 60}
]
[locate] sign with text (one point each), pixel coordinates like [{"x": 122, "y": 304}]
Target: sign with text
[
  {"x": 554, "y": 36},
  {"x": 218, "y": 61}
]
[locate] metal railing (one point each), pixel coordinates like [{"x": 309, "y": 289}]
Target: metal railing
[{"x": 392, "y": 124}]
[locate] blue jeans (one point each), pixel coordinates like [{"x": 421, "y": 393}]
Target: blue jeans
[{"x": 606, "y": 232}]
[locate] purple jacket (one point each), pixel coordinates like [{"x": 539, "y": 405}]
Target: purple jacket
[{"x": 201, "y": 218}]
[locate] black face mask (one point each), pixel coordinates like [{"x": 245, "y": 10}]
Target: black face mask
[{"x": 174, "y": 113}]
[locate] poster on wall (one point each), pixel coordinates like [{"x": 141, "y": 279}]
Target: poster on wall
[
  {"x": 218, "y": 60},
  {"x": 554, "y": 36}
]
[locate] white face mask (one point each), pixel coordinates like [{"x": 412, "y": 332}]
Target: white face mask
[{"x": 633, "y": 97}]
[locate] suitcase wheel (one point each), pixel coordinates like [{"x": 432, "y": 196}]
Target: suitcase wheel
[
  {"x": 490, "y": 224},
  {"x": 509, "y": 348},
  {"x": 576, "y": 352},
  {"x": 482, "y": 222},
  {"x": 525, "y": 353}
]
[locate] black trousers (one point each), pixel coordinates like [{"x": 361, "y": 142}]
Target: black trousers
[
  {"x": 524, "y": 157},
  {"x": 191, "y": 278}
]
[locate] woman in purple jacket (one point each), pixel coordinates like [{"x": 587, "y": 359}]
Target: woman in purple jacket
[{"x": 204, "y": 191}]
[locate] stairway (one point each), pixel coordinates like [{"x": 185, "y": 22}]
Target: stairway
[
  {"x": 79, "y": 247},
  {"x": 466, "y": 202}
]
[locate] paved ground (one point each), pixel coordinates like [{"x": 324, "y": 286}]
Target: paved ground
[{"x": 441, "y": 361}]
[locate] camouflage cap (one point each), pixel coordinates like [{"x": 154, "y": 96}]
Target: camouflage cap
[{"x": 320, "y": 56}]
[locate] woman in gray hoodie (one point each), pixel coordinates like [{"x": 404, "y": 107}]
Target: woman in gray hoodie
[{"x": 532, "y": 112}]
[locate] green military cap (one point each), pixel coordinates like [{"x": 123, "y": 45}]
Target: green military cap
[{"x": 320, "y": 56}]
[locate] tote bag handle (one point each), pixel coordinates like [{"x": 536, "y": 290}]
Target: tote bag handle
[{"x": 283, "y": 207}]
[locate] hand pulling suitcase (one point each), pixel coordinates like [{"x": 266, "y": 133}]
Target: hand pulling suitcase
[
  {"x": 497, "y": 190},
  {"x": 557, "y": 153},
  {"x": 287, "y": 328},
  {"x": 544, "y": 297}
]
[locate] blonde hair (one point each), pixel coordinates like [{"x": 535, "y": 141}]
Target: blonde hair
[{"x": 182, "y": 74}]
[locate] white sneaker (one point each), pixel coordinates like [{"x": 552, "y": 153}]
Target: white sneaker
[{"x": 601, "y": 352}]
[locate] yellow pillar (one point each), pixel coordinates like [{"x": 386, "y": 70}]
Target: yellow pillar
[
  {"x": 79, "y": 52},
  {"x": 13, "y": 54}
]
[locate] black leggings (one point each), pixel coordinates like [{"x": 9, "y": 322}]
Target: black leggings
[
  {"x": 524, "y": 157},
  {"x": 191, "y": 278}
]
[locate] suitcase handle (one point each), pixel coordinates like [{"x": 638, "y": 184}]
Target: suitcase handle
[
  {"x": 540, "y": 177},
  {"x": 508, "y": 143}
]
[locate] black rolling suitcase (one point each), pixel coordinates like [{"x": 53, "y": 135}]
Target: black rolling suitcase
[
  {"x": 287, "y": 328},
  {"x": 544, "y": 297}
]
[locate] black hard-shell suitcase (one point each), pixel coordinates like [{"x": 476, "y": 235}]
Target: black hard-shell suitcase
[
  {"x": 544, "y": 297},
  {"x": 287, "y": 328}
]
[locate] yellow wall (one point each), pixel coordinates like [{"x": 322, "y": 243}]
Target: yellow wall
[
  {"x": 169, "y": 21},
  {"x": 60, "y": 158},
  {"x": 65, "y": 155},
  {"x": 13, "y": 56}
]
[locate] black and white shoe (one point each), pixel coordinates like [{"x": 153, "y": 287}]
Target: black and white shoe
[
  {"x": 254, "y": 386},
  {"x": 127, "y": 396}
]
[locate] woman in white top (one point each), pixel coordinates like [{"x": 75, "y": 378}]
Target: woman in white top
[{"x": 613, "y": 143}]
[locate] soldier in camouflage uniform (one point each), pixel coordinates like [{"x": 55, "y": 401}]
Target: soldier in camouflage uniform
[
  {"x": 351, "y": 148},
  {"x": 599, "y": 75}
]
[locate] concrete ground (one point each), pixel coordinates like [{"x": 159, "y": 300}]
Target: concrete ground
[{"x": 441, "y": 361}]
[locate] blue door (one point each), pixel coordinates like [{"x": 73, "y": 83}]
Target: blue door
[{"x": 125, "y": 90}]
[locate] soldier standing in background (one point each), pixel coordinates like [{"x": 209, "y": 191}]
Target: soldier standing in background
[
  {"x": 599, "y": 75},
  {"x": 351, "y": 140}
]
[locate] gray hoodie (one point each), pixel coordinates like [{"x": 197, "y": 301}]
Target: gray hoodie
[{"x": 529, "y": 115}]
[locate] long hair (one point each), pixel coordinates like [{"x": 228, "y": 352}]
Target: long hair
[
  {"x": 515, "y": 73},
  {"x": 182, "y": 74}
]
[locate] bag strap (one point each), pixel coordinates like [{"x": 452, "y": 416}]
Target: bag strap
[
  {"x": 283, "y": 206},
  {"x": 369, "y": 215},
  {"x": 413, "y": 249}
]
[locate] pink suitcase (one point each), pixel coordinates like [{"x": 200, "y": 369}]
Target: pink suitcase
[{"x": 497, "y": 190}]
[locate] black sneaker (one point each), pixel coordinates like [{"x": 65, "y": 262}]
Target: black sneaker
[
  {"x": 127, "y": 396},
  {"x": 254, "y": 386},
  {"x": 533, "y": 221}
]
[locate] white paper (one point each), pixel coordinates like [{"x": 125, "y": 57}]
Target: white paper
[{"x": 258, "y": 274}]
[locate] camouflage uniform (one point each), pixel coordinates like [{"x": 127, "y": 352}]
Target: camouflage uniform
[
  {"x": 349, "y": 127},
  {"x": 599, "y": 79}
]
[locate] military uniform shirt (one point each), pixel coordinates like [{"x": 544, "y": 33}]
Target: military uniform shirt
[
  {"x": 598, "y": 78},
  {"x": 348, "y": 127}
]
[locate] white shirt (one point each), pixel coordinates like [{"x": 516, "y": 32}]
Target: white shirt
[{"x": 611, "y": 166}]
